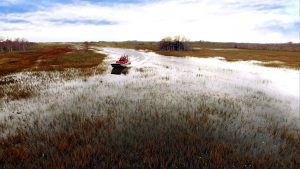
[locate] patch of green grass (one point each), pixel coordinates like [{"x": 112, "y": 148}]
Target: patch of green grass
[{"x": 80, "y": 57}]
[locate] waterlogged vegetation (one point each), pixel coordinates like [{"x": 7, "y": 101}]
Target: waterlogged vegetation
[
  {"x": 271, "y": 55},
  {"x": 165, "y": 112},
  {"x": 145, "y": 140},
  {"x": 266, "y": 58}
]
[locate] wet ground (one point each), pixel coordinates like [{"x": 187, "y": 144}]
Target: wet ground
[{"x": 252, "y": 97}]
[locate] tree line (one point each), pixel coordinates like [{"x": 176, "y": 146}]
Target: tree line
[
  {"x": 178, "y": 43},
  {"x": 18, "y": 44}
]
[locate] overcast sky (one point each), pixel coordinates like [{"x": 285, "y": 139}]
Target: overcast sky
[{"x": 150, "y": 20}]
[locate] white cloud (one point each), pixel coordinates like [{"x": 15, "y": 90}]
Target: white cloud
[
  {"x": 9, "y": 2},
  {"x": 225, "y": 20}
]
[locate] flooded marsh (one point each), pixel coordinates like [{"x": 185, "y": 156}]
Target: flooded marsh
[{"x": 252, "y": 108}]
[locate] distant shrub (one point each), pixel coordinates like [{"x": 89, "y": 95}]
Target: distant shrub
[{"x": 178, "y": 43}]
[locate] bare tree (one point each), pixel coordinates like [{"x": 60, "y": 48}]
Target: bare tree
[
  {"x": 24, "y": 44},
  {"x": 180, "y": 38},
  {"x": 9, "y": 45},
  {"x": 18, "y": 44},
  {"x": 1, "y": 44},
  {"x": 167, "y": 39}
]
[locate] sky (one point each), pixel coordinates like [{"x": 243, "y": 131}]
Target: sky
[{"x": 262, "y": 21}]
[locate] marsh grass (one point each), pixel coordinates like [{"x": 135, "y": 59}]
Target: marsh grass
[
  {"x": 16, "y": 91},
  {"x": 166, "y": 78},
  {"x": 140, "y": 70},
  {"x": 141, "y": 140},
  {"x": 12, "y": 88},
  {"x": 156, "y": 117},
  {"x": 129, "y": 45},
  {"x": 53, "y": 60},
  {"x": 49, "y": 57},
  {"x": 284, "y": 58}
]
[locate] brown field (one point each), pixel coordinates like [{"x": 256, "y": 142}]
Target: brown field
[{"x": 45, "y": 57}]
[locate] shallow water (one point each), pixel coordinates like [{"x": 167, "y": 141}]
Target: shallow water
[
  {"x": 217, "y": 76},
  {"x": 155, "y": 83}
]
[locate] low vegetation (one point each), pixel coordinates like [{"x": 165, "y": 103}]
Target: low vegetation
[
  {"x": 289, "y": 46},
  {"x": 138, "y": 45},
  {"x": 268, "y": 58},
  {"x": 44, "y": 57},
  {"x": 141, "y": 140}
]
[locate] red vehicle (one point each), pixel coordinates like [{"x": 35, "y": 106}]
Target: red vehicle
[{"x": 122, "y": 62}]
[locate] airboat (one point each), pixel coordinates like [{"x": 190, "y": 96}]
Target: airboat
[{"x": 122, "y": 62}]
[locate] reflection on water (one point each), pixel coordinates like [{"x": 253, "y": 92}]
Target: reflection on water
[{"x": 119, "y": 71}]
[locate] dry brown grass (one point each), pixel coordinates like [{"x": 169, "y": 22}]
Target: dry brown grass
[
  {"x": 44, "y": 57},
  {"x": 138, "y": 141},
  {"x": 16, "y": 91},
  {"x": 253, "y": 46},
  {"x": 288, "y": 59},
  {"x": 129, "y": 45}
]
